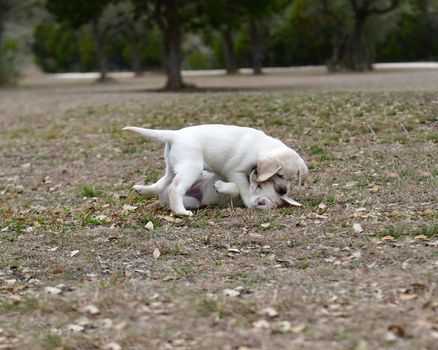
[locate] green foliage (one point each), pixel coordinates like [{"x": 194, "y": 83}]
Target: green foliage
[
  {"x": 9, "y": 63},
  {"x": 77, "y": 12},
  {"x": 60, "y": 48}
]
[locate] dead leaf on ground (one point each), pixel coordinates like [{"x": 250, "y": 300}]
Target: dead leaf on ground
[
  {"x": 407, "y": 297},
  {"x": 398, "y": 330}
]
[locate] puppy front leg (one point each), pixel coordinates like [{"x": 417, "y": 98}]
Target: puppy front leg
[
  {"x": 241, "y": 182},
  {"x": 227, "y": 188}
]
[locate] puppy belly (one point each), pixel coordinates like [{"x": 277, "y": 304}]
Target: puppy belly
[{"x": 196, "y": 191}]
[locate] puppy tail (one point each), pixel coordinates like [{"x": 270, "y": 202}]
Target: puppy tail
[{"x": 161, "y": 135}]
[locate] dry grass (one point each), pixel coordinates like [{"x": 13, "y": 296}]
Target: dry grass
[{"x": 65, "y": 174}]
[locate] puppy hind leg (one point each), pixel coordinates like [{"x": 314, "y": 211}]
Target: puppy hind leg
[
  {"x": 156, "y": 188},
  {"x": 185, "y": 177}
]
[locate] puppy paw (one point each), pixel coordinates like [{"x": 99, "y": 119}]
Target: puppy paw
[
  {"x": 228, "y": 188},
  {"x": 220, "y": 186},
  {"x": 183, "y": 213},
  {"x": 140, "y": 189}
]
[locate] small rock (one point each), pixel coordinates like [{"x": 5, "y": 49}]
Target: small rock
[
  {"x": 52, "y": 290},
  {"x": 265, "y": 225},
  {"x": 231, "y": 292},
  {"x": 149, "y": 226},
  {"x": 75, "y": 328},
  {"x": 112, "y": 346},
  {"x": 261, "y": 324},
  {"x": 357, "y": 228},
  {"x": 282, "y": 326},
  {"x": 91, "y": 309},
  {"x": 269, "y": 311},
  {"x": 156, "y": 254},
  {"x": 322, "y": 208}
]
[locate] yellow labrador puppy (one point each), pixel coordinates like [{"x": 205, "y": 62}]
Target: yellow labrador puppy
[{"x": 226, "y": 150}]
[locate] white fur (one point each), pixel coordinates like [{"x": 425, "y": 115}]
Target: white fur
[{"x": 228, "y": 151}]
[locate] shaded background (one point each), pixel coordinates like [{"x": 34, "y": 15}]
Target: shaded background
[{"x": 171, "y": 35}]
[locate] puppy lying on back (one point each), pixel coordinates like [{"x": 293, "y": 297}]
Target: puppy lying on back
[
  {"x": 210, "y": 189},
  {"x": 226, "y": 150}
]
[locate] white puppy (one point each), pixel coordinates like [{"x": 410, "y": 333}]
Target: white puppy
[
  {"x": 210, "y": 189},
  {"x": 228, "y": 151}
]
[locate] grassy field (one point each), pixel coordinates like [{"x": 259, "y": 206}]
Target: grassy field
[{"x": 355, "y": 268}]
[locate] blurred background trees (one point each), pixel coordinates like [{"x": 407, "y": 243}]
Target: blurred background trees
[{"x": 138, "y": 35}]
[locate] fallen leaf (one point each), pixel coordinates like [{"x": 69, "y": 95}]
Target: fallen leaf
[
  {"x": 424, "y": 173},
  {"x": 407, "y": 297},
  {"x": 172, "y": 219},
  {"x": 388, "y": 238},
  {"x": 156, "y": 254},
  {"x": 73, "y": 253},
  {"x": 298, "y": 328},
  {"x": 265, "y": 225},
  {"x": 233, "y": 250},
  {"x": 398, "y": 330},
  {"x": 127, "y": 208},
  {"x": 391, "y": 174},
  {"x": 421, "y": 237},
  {"x": 57, "y": 271},
  {"x": 15, "y": 288},
  {"x": 374, "y": 189}
]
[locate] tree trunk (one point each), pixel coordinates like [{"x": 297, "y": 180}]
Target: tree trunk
[
  {"x": 3, "y": 9},
  {"x": 101, "y": 54},
  {"x": 136, "y": 58},
  {"x": 355, "y": 57},
  {"x": 256, "y": 46},
  {"x": 173, "y": 61},
  {"x": 229, "y": 53}
]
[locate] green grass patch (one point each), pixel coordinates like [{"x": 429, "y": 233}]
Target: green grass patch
[{"x": 90, "y": 191}]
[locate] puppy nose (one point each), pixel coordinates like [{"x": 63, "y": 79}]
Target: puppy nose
[{"x": 261, "y": 202}]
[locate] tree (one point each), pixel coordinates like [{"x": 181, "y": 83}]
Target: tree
[
  {"x": 256, "y": 13},
  {"x": 224, "y": 16},
  {"x": 78, "y": 13},
  {"x": 358, "y": 53}
]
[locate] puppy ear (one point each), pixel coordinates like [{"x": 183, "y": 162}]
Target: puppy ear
[
  {"x": 290, "y": 201},
  {"x": 266, "y": 168}
]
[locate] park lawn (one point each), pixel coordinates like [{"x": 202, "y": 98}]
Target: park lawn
[{"x": 355, "y": 268}]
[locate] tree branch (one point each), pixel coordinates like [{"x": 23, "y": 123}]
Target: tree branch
[{"x": 377, "y": 11}]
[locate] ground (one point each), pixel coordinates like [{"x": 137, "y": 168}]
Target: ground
[{"x": 355, "y": 268}]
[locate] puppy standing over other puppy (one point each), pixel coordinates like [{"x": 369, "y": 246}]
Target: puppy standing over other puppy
[{"x": 230, "y": 152}]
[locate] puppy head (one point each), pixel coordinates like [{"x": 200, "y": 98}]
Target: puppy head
[
  {"x": 286, "y": 164},
  {"x": 269, "y": 194}
]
